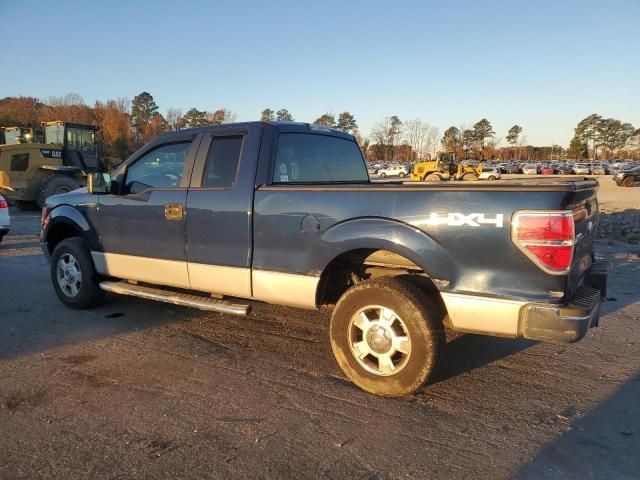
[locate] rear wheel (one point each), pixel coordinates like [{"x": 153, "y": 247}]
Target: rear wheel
[
  {"x": 628, "y": 182},
  {"x": 74, "y": 276},
  {"x": 432, "y": 177},
  {"x": 55, "y": 185},
  {"x": 469, "y": 177},
  {"x": 492, "y": 177},
  {"x": 387, "y": 336},
  {"x": 382, "y": 175},
  {"x": 402, "y": 174}
]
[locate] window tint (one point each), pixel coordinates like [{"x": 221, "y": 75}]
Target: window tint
[
  {"x": 19, "y": 162},
  {"x": 306, "y": 158},
  {"x": 81, "y": 139},
  {"x": 222, "y": 162},
  {"x": 160, "y": 168}
]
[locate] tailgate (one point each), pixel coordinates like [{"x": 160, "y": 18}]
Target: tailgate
[{"x": 585, "y": 214}]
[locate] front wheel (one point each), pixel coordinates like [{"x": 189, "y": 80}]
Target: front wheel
[
  {"x": 74, "y": 276},
  {"x": 382, "y": 175},
  {"x": 402, "y": 174},
  {"x": 387, "y": 336},
  {"x": 492, "y": 177},
  {"x": 55, "y": 185}
]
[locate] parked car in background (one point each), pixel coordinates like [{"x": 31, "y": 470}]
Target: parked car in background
[
  {"x": 565, "y": 169},
  {"x": 530, "y": 169},
  {"x": 628, "y": 178},
  {"x": 581, "y": 169},
  {"x": 546, "y": 170},
  {"x": 490, "y": 173},
  {"x": 393, "y": 171},
  {"x": 5, "y": 221},
  {"x": 597, "y": 169}
]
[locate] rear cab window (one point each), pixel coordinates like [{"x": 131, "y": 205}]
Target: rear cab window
[{"x": 316, "y": 158}]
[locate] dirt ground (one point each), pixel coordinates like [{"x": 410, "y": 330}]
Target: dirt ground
[{"x": 136, "y": 389}]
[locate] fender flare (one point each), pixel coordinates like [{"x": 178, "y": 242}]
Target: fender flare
[
  {"x": 397, "y": 237},
  {"x": 70, "y": 217}
]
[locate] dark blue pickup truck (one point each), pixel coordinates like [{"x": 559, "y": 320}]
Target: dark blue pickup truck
[{"x": 285, "y": 213}]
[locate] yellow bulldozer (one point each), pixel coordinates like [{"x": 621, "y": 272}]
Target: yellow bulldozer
[
  {"x": 445, "y": 168},
  {"x": 58, "y": 163}
]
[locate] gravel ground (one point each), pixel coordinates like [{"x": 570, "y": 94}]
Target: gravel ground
[{"x": 137, "y": 389}]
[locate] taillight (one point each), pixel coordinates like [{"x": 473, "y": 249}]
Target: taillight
[
  {"x": 547, "y": 238},
  {"x": 3, "y": 203}
]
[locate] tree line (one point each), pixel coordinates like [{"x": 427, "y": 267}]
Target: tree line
[{"x": 126, "y": 125}]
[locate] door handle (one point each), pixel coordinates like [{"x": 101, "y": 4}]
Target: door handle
[{"x": 173, "y": 211}]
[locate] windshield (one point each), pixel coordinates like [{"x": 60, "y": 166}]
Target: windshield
[
  {"x": 54, "y": 134},
  {"x": 81, "y": 139}
]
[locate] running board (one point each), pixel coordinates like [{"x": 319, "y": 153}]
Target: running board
[{"x": 183, "y": 299}]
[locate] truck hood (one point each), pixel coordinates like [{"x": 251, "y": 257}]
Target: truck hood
[{"x": 74, "y": 198}]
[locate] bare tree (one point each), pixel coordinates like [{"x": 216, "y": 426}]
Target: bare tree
[{"x": 173, "y": 117}]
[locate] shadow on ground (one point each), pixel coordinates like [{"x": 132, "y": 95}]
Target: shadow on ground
[{"x": 597, "y": 445}]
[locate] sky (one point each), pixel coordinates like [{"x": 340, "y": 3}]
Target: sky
[{"x": 541, "y": 64}]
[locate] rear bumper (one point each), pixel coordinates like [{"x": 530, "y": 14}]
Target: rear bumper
[
  {"x": 565, "y": 324},
  {"x": 548, "y": 322}
]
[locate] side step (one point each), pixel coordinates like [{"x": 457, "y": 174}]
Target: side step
[{"x": 183, "y": 299}]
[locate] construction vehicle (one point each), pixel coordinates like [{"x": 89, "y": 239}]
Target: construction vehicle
[
  {"x": 445, "y": 168},
  {"x": 32, "y": 172},
  {"x": 18, "y": 135}
]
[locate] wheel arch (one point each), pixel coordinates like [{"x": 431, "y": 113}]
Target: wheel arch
[
  {"x": 368, "y": 247},
  {"x": 64, "y": 222}
]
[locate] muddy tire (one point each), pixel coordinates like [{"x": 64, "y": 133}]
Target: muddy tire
[
  {"x": 469, "y": 177},
  {"x": 387, "y": 336},
  {"x": 628, "y": 182},
  {"x": 55, "y": 185},
  {"x": 74, "y": 276}
]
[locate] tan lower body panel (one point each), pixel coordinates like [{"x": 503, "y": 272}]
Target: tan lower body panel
[
  {"x": 285, "y": 288},
  {"x": 490, "y": 316},
  {"x": 158, "y": 271},
  {"x": 219, "y": 279},
  {"x": 268, "y": 286}
]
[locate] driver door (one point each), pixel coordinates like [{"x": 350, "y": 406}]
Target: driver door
[{"x": 142, "y": 230}]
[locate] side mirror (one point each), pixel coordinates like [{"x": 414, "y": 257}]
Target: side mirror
[{"x": 99, "y": 183}]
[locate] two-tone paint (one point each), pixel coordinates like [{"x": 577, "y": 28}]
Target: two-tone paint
[{"x": 275, "y": 242}]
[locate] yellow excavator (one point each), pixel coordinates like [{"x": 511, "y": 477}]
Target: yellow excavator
[{"x": 445, "y": 168}]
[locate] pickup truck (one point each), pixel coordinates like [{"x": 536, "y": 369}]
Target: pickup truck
[{"x": 285, "y": 213}]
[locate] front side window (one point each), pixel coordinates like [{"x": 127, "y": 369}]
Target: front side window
[
  {"x": 162, "y": 167},
  {"x": 222, "y": 162},
  {"x": 314, "y": 158}
]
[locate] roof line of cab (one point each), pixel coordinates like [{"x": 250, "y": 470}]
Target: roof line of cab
[{"x": 282, "y": 127}]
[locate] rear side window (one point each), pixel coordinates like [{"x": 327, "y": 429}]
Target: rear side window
[
  {"x": 309, "y": 158},
  {"x": 19, "y": 162},
  {"x": 221, "y": 168}
]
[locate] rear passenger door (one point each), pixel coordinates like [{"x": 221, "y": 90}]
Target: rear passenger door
[{"x": 219, "y": 212}]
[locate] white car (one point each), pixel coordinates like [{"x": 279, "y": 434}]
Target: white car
[
  {"x": 393, "y": 171},
  {"x": 581, "y": 169},
  {"x": 5, "y": 221},
  {"x": 490, "y": 173},
  {"x": 530, "y": 169}
]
